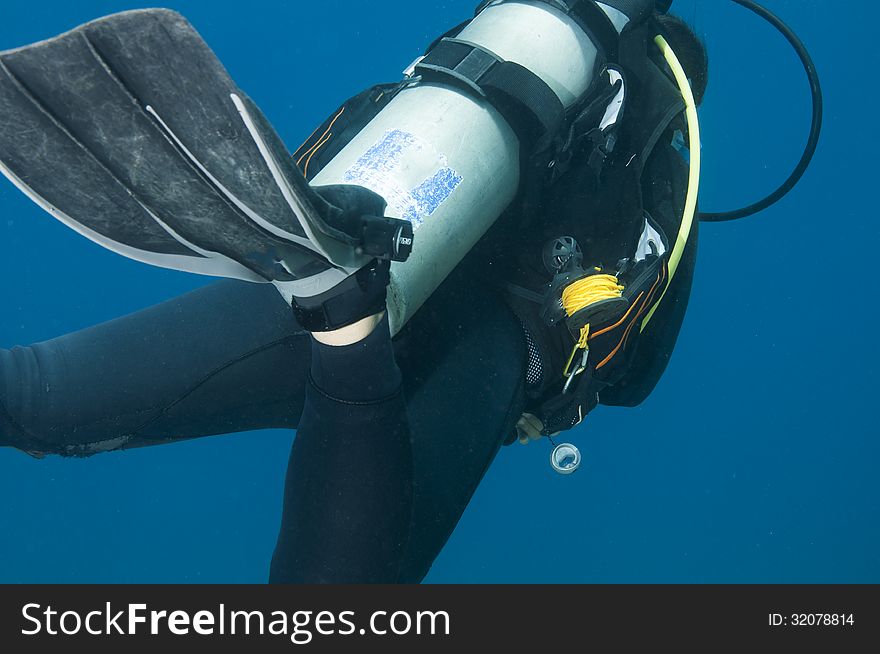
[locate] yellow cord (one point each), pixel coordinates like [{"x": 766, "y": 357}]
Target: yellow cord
[
  {"x": 690, "y": 206},
  {"x": 585, "y": 293}
]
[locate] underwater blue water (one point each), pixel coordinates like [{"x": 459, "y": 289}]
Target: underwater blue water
[{"x": 754, "y": 461}]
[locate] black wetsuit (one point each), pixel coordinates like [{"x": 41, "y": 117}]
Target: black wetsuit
[{"x": 230, "y": 357}]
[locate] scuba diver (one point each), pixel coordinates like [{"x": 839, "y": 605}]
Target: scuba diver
[{"x": 479, "y": 254}]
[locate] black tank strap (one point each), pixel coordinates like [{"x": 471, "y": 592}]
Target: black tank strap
[{"x": 523, "y": 99}]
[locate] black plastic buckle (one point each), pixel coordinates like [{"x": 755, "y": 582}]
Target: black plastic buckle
[
  {"x": 386, "y": 238},
  {"x": 603, "y": 143},
  {"x": 465, "y": 63}
]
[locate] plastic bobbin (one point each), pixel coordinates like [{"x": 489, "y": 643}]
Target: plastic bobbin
[{"x": 565, "y": 459}]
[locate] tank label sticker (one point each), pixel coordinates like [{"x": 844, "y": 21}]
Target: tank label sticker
[{"x": 393, "y": 163}]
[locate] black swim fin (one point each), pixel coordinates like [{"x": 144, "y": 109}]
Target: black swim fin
[{"x": 129, "y": 130}]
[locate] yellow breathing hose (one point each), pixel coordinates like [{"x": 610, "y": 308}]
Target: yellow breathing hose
[{"x": 690, "y": 206}]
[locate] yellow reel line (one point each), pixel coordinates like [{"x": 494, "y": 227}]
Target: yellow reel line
[
  {"x": 580, "y": 295},
  {"x": 690, "y": 206}
]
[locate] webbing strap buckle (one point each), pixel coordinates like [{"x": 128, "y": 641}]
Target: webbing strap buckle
[
  {"x": 523, "y": 99},
  {"x": 465, "y": 62}
]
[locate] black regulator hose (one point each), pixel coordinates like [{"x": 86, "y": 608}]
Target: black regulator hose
[{"x": 815, "y": 129}]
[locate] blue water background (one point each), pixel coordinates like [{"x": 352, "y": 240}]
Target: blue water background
[{"x": 754, "y": 461}]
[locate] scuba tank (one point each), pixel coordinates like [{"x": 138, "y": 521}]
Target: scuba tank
[{"x": 448, "y": 151}]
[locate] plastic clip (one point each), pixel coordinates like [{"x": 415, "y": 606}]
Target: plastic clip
[{"x": 571, "y": 373}]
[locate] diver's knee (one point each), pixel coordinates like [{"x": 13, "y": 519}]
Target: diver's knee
[{"x": 24, "y": 420}]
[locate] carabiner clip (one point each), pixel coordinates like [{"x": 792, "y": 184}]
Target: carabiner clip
[{"x": 570, "y": 373}]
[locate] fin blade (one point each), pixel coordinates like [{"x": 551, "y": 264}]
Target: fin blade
[{"x": 174, "y": 186}]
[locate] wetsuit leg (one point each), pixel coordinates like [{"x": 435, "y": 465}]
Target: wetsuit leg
[
  {"x": 463, "y": 360},
  {"x": 348, "y": 497},
  {"x": 225, "y": 358},
  {"x": 463, "y": 363}
]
